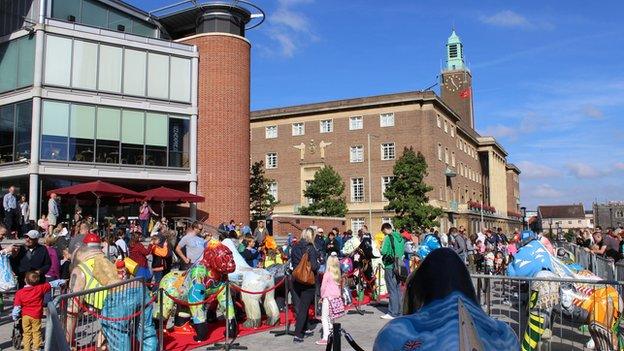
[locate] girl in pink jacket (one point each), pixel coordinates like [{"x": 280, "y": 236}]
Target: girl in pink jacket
[{"x": 333, "y": 306}]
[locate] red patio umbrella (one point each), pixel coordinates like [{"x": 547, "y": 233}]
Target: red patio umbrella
[
  {"x": 164, "y": 194},
  {"x": 99, "y": 189}
]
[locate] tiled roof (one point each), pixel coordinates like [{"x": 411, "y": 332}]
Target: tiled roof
[{"x": 562, "y": 211}]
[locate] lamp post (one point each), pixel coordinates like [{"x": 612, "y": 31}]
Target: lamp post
[
  {"x": 523, "y": 211},
  {"x": 370, "y": 192},
  {"x": 559, "y": 232},
  {"x": 550, "y": 221}
]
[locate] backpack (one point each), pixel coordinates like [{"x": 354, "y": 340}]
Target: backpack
[{"x": 399, "y": 269}]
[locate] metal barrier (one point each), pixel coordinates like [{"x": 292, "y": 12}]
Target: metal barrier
[
  {"x": 507, "y": 299},
  {"x": 601, "y": 266},
  {"x": 119, "y": 313}
]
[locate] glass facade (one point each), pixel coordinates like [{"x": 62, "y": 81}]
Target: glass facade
[
  {"x": 96, "y": 14},
  {"x": 17, "y": 61},
  {"x": 114, "y": 69},
  {"x": 96, "y": 134},
  {"x": 15, "y": 129}
]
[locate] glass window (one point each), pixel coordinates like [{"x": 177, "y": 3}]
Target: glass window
[
  {"x": 445, "y": 127},
  {"x": 384, "y": 184},
  {"x": 58, "y": 60},
  {"x": 26, "y": 63},
  {"x": 270, "y": 132},
  {"x": 356, "y": 154},
  {"x": 386, "y": 120},
  {"x": 143, "y": 29},
  {"x": 179, "y": 142},
  {"x": 387, "y": 151},
  {"x": 452, "y": 131},
  {"x": 62, "y": 9},
  {"x": 132, "y": 138},
  {"x": 8, "y": 65},
  {"x": 7, "y": 129},
  {"x": 94, "y": 14},
  {"x": 180, "y": 79},
  {"x": 357, "y": 189},
  {"x": 84, "y": 66},
  {"x": 134, "y": 72},
  {"x": 453, "y": 159},
  {"x": 438, "y": 121},
  {"x": 55, "y": 130},
  {"x": 446, "y": 156},
  {"x": 108, "y": 136},
  {"x": 116, "y": 18},
  {"x": 81, "y": 133},
  {"x": 110, "y": 68},
  {"x": 298, "y": 128},
  {"x": 157, "y": 76},
  {"x": 24, "y": 127},
  {"x": 156, "y": 129},
  {"x": 327, "y": 126},
  {"x": 356, "y": 122},
  {"x": 273, "y": 189},
  {"x": 357, "y": 224},
  {"x": 440, "y": 152},
  {"x": 271, "y": 160}
]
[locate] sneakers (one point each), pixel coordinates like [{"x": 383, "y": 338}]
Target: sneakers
[
  {"x": 321, "y": 342},
  {"x": 387, "y": 316},
  {"x": 297, "y": 340}
]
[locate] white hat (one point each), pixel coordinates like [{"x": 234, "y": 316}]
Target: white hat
[{"x": 33, "y": 234}]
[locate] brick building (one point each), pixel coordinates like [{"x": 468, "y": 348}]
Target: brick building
[
  {"x": 609, "y": 214},
  {"x": 362, "y": 137}
]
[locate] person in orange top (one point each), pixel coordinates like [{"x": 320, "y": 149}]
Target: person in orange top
[{"x": 29, "y": 303}]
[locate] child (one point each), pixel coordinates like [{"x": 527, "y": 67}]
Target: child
[
  {"x": 160, "y": 251},
  {"x": 251, "y": 255},
  {"x": 333, "y": 307},
  {"x": 29, "y": 303}
]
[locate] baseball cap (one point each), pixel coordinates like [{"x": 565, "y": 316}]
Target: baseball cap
[{"x": 33, "y": 234}]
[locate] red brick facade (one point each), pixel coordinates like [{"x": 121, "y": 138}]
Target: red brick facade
[
  {"x": 282, "y": 225},
  {"x": 223, "y": 127}
]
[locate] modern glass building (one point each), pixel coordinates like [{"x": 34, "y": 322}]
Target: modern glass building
[{"x": 98, "y": 89}]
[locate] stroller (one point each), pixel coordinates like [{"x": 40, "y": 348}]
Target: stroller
[{"x": 17, "y": 336}]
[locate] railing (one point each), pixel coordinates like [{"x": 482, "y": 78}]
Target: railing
[{"x": 603, "y": 267}]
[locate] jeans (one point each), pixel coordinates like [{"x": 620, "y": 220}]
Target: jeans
[
  {"x": 306, "y": 298},
  {"x": 158, "y": 275},
  {"x": 394, "y": 292},
  {"x": 143, "y": 223}
]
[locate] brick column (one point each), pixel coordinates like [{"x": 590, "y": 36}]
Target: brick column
[{"x": 223, "y": 127}]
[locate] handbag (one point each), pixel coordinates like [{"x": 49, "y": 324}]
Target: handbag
[
  {"x": 399, "y": 269},
  {"x": 303, "y": 272},
  {"x": 150, "y": 225},
  {"x": 336, "y": 307}
]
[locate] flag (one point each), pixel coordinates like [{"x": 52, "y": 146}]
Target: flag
[{"x": 465, "y": 94}]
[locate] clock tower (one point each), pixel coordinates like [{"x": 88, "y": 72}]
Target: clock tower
[{"x": 456, "y": 82}]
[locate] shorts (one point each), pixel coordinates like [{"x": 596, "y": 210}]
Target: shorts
[{"x": 52, "y": 220}]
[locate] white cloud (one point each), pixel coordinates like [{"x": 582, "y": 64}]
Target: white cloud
[
  {"x": 500, "y": 131},
  {"x": 593, "y": 112},
  {"x": 511, "y": 19},
  {"x": 533, "y": 170},
  {"x": 289, "y": 28},
  {"x": 545, "y": 191},
  {"x": 583, "y": 170}
]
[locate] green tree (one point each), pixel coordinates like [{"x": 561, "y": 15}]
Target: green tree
[
  {"x": 325, "y": 192},
  {"x": 407, "y": 193},
  {"x": 261, "y": 200}
]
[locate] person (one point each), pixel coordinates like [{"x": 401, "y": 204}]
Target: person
[
  {"x": 458, "y": 244},
  {"x": 42, "y": 223},
  {"x": 160, "y": 226},
  {"x": 260, "y": 232},
  {"x": 332, "y": 304},
  {"x": 122, "y": 247},
  {"x": 193, "y": 243},
  {"x": 393, "y": 247},
  {"x": 145, "y": 214},
  {"x": 77, "y": 216},
  {"x": 304, "y": 293},
  {"x": 251, "y": 254},
  {"x": 53, "y": 212},
  {"x": 332, "y": 244},
  {"x": 320, "y": 245},
  {"x": 612, "y": 241},
  {"x": 9, "y": 203},
  {"x": 77, "y": 240},
  {"x": 232, "y": 225},
  {"x": 138, "y": 253},
  {"x": 54, "y": 272},
  {"x": 599, "y": 247},
  {"x": 110, "y": 249},
  {"x": 29, "y": 301},
  {"x": 160, "y": 251},
  {"x": 30, "y": 257},
  {"x": 24, "y": 213}
]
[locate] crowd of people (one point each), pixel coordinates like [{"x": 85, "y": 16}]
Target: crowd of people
[{"x": 605, "y": 243}]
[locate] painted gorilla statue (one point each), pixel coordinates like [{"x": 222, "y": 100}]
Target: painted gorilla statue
[
  {"x": 202, "y": 279},
  {"x": 257, "y": 280},
  {"x": 90, "y": 270},
  {"x": 441, "y": 312},
  {"x": 365, "y": 258},
  {"x": 597, "y": 305}
]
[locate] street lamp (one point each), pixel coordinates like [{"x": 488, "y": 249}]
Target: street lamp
[
  {"x": 523, "y": 211},
  {"x": 550, "y": 226},
  {"x": 370, "y": 193}
]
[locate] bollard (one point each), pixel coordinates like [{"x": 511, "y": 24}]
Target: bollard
[{"x": 336, "y": 336}]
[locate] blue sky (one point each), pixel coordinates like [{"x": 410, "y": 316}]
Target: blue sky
[{"x": 548, "y": 78}]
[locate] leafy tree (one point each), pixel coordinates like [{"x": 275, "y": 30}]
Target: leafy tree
[
  {"x": 407, "y": 193},
  {"x": 261, "y": 201},
  {"x": 325, "y": 192}
]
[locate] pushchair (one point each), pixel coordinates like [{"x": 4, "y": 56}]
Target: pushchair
[{"x": 17, "y": 335}]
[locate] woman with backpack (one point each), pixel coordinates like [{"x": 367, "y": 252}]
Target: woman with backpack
[
  {"x": 304, "y": 261},
  {"x": 145, "y": 213}
]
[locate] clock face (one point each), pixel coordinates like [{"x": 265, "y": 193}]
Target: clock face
[{"x": 454, "y": 82}]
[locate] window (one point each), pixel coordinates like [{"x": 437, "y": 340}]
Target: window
[
  {"x": 298, "y": 128},
  {"x": 384, "y": 184},
  {"x": 179, "y": 142},
  {"x": 157, "y": 76},
  {"x": 270, "y": 132},
  {"x": 445, "y": 127},
  {"x": 357, "y": 189},
  {"x": 386, "y": 120},
  {"x": 327, "y": 126},
  {"x": 54, "y": 130},
  {"x": 569, "y": 222},
  {"x": 156, "y": 126},
  {"x": 387, "y": 151},
  {"x": 15, "y": 127},
  {"x": 439, "y": 151},
  {"x": 135, "y": 65},
  {"x": 132, "y": 137},
  {"x": 356, "y": 154},
  {"x": 180, "y": 78},
  {"x": 273, "y": 190},
  {"x": 446, "y": 156},
  {"x": 271, "y": 160},
  {"x": 108, "y": 137},
  {"x": 439, "y": 121},
  {"x": 453, "y": 159},
  {"x": 17, "y": 63},
  {"x": 81, "y": 133},
  {"x": 57, "y": 60},
  {"x": 356, "y": 122},
  {"x": 357, "y": 224},
  {"x": 452, "y": 131},
  {"x": 385, "y": 220},
  {"x": 110, "y": 68},
  {"x": 84, "y": 65}
]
